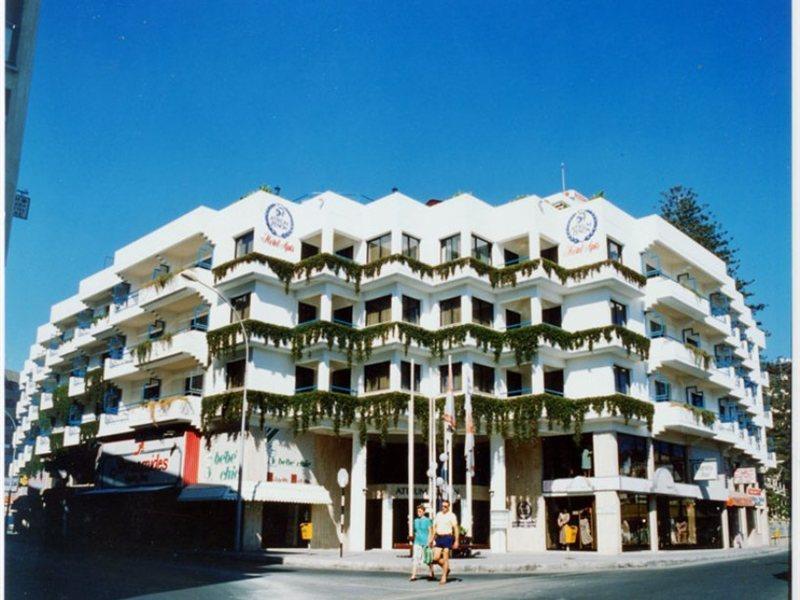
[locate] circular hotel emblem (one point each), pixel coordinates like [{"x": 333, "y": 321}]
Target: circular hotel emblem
[
  {"x": 581, "y": 226},
  {"x": 524, "y": 510},
  {"x": 279, "y": 220}
]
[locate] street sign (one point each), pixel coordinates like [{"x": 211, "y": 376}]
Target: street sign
[
  {"x": 22, "y": 203},
  {"x": 342, "y": 477}
]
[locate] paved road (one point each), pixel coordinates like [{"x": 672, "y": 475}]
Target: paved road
[{"x": 32, "y": 574}]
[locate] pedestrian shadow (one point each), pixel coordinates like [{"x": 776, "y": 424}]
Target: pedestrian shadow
[{"x": 783, "y": 576}]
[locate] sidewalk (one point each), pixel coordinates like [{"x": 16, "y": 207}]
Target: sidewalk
[{"x": 398, "y": 561}]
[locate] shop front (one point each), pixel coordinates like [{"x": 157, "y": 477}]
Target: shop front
[
  {"x": 635, "y": 528},
  {"x": 571, "y": 523},
  {"x": 688, "y": 523}
]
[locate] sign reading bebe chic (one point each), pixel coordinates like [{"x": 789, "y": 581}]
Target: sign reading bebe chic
[
  {"x": 581, "y": 229},
  {"x": 289, "y": 458},
  {"x": 280, "y": 225}
]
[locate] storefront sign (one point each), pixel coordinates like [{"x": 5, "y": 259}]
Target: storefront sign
[
  {"x": 221, "y": 461},
  {"x": 289, "y": 458},
  {"x": 740, "y": 500},
  {"x": 754, "y": 491},
  {"x": 744, "y": 475},
  {"x": 141, "y": 463},
  {"x": 401, "y": 491},
  {"x": 524, "y": 515},
  {"x": 705, "y": 470}
]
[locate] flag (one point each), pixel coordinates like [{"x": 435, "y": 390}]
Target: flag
[
  {"x": 469, "y": 440},
  {"x": 449, "y": 415}
]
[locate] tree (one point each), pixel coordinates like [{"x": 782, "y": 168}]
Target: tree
[
  {"x": 681, "y": 207},
  {"x": 779, "y": 398}
]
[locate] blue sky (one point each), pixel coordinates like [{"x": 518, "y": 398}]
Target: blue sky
[{"x": 140, "y": 111}]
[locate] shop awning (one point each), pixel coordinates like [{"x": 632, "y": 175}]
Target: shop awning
[
  {"x": 740, "y": 500},
  {"x": 125, "y": 490},
  {"x": 259, "y": 491}
]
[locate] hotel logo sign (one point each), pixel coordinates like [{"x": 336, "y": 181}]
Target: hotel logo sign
[
  {"x": 279, "y": 220},
  {"x": 581, "y": 226}
]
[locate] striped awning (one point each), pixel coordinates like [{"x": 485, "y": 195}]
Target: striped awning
[{"x": 258, "y": 491}]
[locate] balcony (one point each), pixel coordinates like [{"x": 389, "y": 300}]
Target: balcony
[
  {"x": 726, "y": 433},
  {"x": 185, "y": 345},
  {"x": 723, "y": 378},
  {"x": 114, "y": 424},
  {"x": 766, "y": 419},
  {"x": 172, "y": 410},
  {"x": 157, "y": 295},
  {"x": 42, "y": 445},
  {"x": 77, "y": 386},
  {"x": 46, "y": 400},
  {"x": 72, "y": 435},
  {"x": 125, "y": 310},
  {"x": 671, "y": 353},
  {"x": 665, "y": 292},
  {"x": 679, "y": 418},
  {"x": 120, "y": 368},
  {"x": 52, "y": 357}
]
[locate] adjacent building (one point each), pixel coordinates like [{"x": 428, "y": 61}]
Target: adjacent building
[{"x": 614, "y": 372}]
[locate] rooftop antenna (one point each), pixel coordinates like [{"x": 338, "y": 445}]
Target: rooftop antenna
[{"x": 564, "y": 179}]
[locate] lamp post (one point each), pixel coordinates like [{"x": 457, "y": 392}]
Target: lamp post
[
  {"x": 8, "y": 499},
  {"x": 243, "y": 425}
]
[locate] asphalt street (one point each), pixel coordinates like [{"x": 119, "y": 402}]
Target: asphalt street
[{"x": 34, "y": 573}]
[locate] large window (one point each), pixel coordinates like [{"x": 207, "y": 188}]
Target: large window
[
  {"x": 482, "y": 250},
  {"x": 552, "y": 316},
  {"x": 450, "y": 311},
  {"x": 550, "y": 254},
  {"x": 634, "y": 511},
  {"x": 306, "y": 312},
  {"x": 619, "y": 314},
  {"x": 244, "y": 244},
  {"x": 563, "y": 457},
  {"x": 193, "y": 385},
  {"x": 304, "y": 379},
  {"x": 379, "y": 310},
  {"x": 242, "y": 305},
  {"x": 686, "y": 522},
  {"x": 411, "y": 309},
  {"x": 450, "y": 248},
  {"x": 234, "y": 374},
  {"x": 308, "y": 250},
  {"x": 671, "y": 457},
  {"x": 410, "y": 246},
  {"x": 376, "y": 377},
  {"x": 484, "y": 378},
  {"x": 380, "y": 247},
  {"x": 405, "y": 375},
  {"x": 482, "y": 312},
  {"x": 663, "y": 390},
  {"x": 614, "y": 250},
  {"x": 632, "y": 450},
  {"x": 554, "y": 382},
  {"x": 622, "y": 380},
  {"x": 456, "y": 377}
]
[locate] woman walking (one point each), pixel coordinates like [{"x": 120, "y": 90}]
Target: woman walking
[{"x": 423, "y": 536}]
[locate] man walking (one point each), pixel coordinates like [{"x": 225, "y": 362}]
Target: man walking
[{"x": 446, "y": 534}]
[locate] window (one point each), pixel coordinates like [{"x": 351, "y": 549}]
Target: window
[
  {"x": 622, "y": 380},
  {"x": 634, "y": 513},
  {"x": 482, "y": 312},
  {"x": 411, "y": 309},
  {"x": 695, "y": 397},
  {"x": 345, "y": 252},
  {"x": 234, "y": 374},
  {"x": 552, "y": 316},
  {"x": 656, "y": 327},
  {"x": 483, "y": 378},
  {"x": 550, "y": 254},
  {"x": 482, "y": 250},
  {"x": 111, "y": 398},
  {"x": 450, "y": 248},
  {"x": 671, "y": 457},
  {"x": 75, "y": 414},
  {"x": 193, "y": 385},
  {"x": 614, "y": 250},
  {"x": 632, "y": 450},
  {"x": 199, "y": 321},
  {"x": 619, "y": 314},
  {"x": 304, "y": 379},
  {"x": 662, "y": 391},
  {"x": 450, "y": 310},
  {"x": 510, "y": 258},
  {"x": 340, "y": 381},
  {"x": 513, "y": 319},
  {"x": 405, "y": 376},
  {"x": 306, "y": 312},
  {"x": 242, "y": 305},
  {"x": 308, "y": 250},
  {"x": 410, "y": 246},
  {"x": 376, "y": 377},
  {"x": 554, "y": 382},
  {"x": 563, "y": 456},
  {"x": 343, "y": 316},
  {"x": 379, "y": 310},
  {"x": 155, "y": 330},
  {"x": 514, "y": 384},
  {"x": 456, "y": 377},
  {"x": 152, "y": 390},
  {"x": 380, "y": 247},
  {"x": 244, "y": 244}
]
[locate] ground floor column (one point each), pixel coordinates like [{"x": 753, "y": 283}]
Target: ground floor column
[
  {"x": 742, "y": 524},
  {"x": 652, "y": 521},
  {"x": 726, "y": 534},
  {"x": 356, "y": 539},
  {"x": 609, "y": 518},
  {"x": 497, "y": 490},
  {"x": 251, "y": 530},
  {"x": 387, "y": 521}
]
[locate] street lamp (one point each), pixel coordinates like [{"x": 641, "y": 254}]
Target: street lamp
[{"x": 242, "y": 427}]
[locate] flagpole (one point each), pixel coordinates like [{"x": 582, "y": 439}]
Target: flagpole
[
  {"x": 411, "y": 455},
  {"x": 432, "y": 454},
  {"x": 449, "y": 435},
  {"x": 469, "y": 452}
]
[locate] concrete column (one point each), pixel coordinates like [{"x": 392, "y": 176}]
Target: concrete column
[
  {"x": 325, "y": 305},
  {"x": 726, "y": 534},
  {"x": 326, "y": 241},
  {"x": 499, "y": 317},
  {"x": 608, "y": 522},
  {"x": 604, "y": 454},
  {"x": 386, "y": 521},
  {"x": 397, "y": 241},
  {"x": 497, "y": 487},
  {"x": 324, "y": 373},
  {"x": 533, "y": 244},
  {"x": 356, "y": 533},
  {"x": 536, "y": 310},
  {"x": 466, "y": 244},
  {"x": 652, "y": 521},
  {"x": 395, "y": 374},
  {"x": 742, "y": 522},
  {"x": 466, "y": 308},
  {"x": 251, "y": 531},
  {"x": 537, "y": 376},
  {"x": 501, "y": 382},
  {"x": 497, "y": 255},
  {"x": 397, "y": 304},
  {"x": 466, "y": 374}
]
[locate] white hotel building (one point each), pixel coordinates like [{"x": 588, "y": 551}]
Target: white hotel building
[{"x": 616, "y": 358}]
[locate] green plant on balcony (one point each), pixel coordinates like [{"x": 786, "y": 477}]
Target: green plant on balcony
[
  {"x": 701, "y": 415},
  {"x": 701, "y": 357},
  {"x": 144, "y": 349}
]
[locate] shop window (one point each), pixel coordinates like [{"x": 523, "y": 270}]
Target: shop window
[
  {"x": 482, "y": 312},
  {"x": 619, "y": 314},
  {"x": 450, "y": 248},
  {"x": 379, "y": 247},
  {"x": 671, "y": 457},
  {"x": 687, "y": 522},
  {"x": 552, "y": 316},
  {"x": 614, "y": 250},
  {"x": 405, "y": 375},
  {"x": 634, "y": 513},
  {"x": 622, "y": 380},
  {"x": 379, "y": 310},
  {"x": 450, "y": 311},
  {"x": 244, "y": 244},
  {"x": 483, "y": 378},
  {"x": 410, "y": 246},
  {"x": 306, "y": 312},
  {"x": 571, "y": 523},
  {"x": 241, "y": 304},
  {"x": 481, "y": 250},
  {"x": 234, "y": 374},
  {"x": 412, "y": 308},
  {"x": 632, "y": 450},
  {"x": 376, "y": 377},
  {"x": 456, "y": 377},
  {"x": 564, "y": 457}
]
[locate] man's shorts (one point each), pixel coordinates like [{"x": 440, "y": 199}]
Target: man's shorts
[{"x": 445, "y": 541}]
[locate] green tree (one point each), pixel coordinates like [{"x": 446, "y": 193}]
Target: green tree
[
  {"x": 681, "y": 206},
  {"x": 779, "y": 398}
]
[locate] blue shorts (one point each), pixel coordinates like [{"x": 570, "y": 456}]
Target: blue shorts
[{"x": 444, "y": 541}]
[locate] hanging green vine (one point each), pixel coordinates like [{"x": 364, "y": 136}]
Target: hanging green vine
[
  {"x": 701, "y": 415},
  {"x": 701, "y": 357}
]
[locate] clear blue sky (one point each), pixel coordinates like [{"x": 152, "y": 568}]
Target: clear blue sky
[{"x": 140, "y": 111}]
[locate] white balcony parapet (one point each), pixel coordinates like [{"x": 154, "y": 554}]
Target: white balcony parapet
[
  {"x": 72, "y": 435},
  {"x": 663, "y": 290},
  {"x": 42, "y": 445},
  {"x": 159, "y": 292},
  {"x": 185, "y": 342},
  {"x": 668, "y": 352},
  {"x": 679, "y": 417},
  {"x": 77, "y": 385},
  {"x": 171, "y": 409}
]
